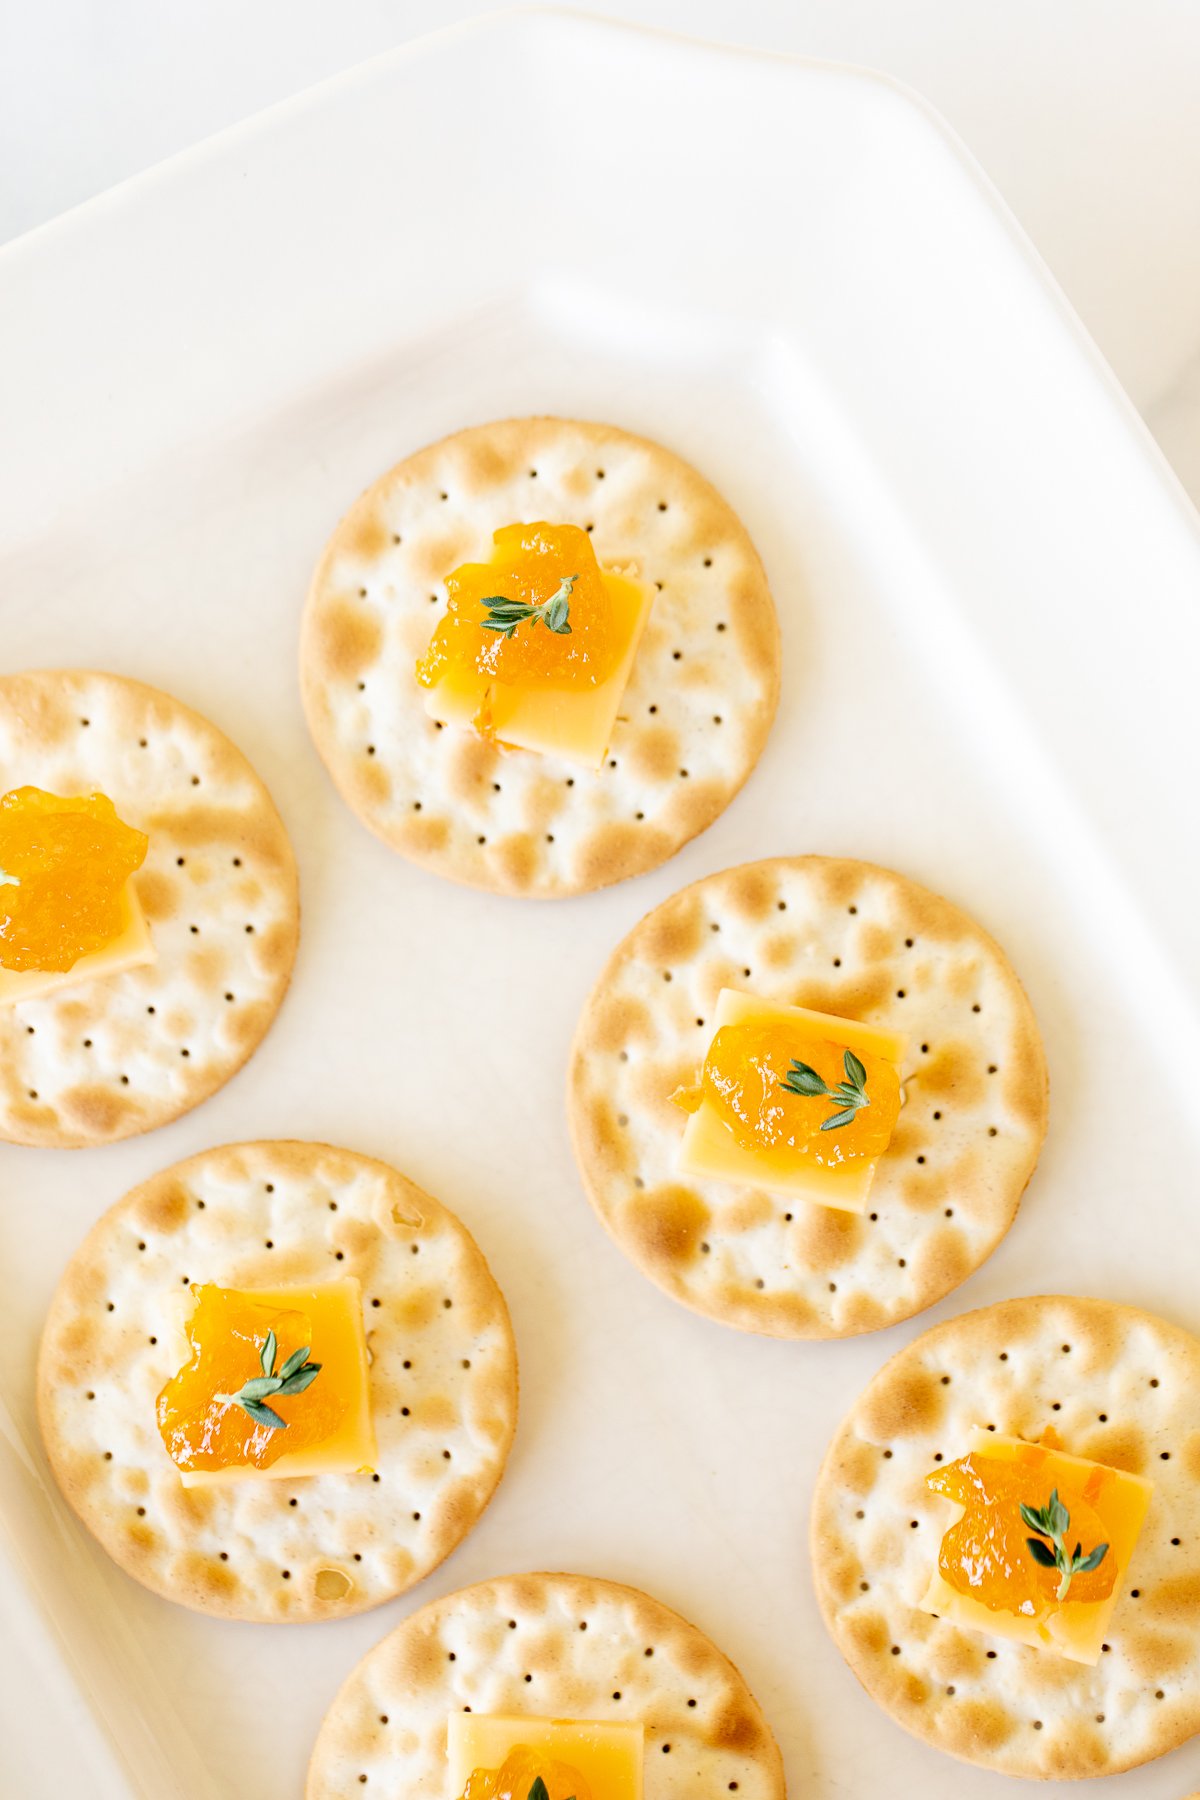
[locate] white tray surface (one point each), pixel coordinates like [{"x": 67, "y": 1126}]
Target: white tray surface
[{"x": 987, "y": 593}]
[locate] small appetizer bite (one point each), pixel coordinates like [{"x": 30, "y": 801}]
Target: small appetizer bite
[
  {"x": 556, "y": 690},
  {"x": 806, "y": 1096},
  {"x": 745, "y": 1126},
  {"x": 278, "y": 1382},
  {"x": 149, "y": 909},
  {"x": 545, "y": 1687},
  {"x": 69, "y": 912},
  {"x": 491, "y": 1756},
  {"x": 224, "y": 1416},
  {"x": 539, "y": 656},
  {"x": 1005, "y": 1535},
  {"x": 1006, "y": 1566}
]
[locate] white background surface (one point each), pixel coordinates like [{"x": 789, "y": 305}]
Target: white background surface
[
  {"x": 1082, "y": 111},
  {"x": 1084, "y": 115}
]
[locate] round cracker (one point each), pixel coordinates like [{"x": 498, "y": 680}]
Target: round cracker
[
  {"x": 1118, "y": 1386},
  {"x": 443, "y": 1382},
  {"x": 110, "y": 1058},
  {"x": 842, "y": 937},
  {"x": 551, "y": 1646},
  {"x": 700, "y": 698}
]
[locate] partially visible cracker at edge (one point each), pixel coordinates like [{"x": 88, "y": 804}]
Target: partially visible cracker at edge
[
  {"x": 696, "y": 712},
  {"x": 842, "y": 937},
  {"x": 551, "y": 1646},
  {"x": 1117, "y": 1386},
  {"x": 117, "y": 1056}
]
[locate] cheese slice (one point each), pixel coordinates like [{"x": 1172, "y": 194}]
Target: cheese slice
[
  {"x": 609, "y": 1755},
  {"x": 334, "y": 1309},
  {"x": 709, "y": 1148},
  {"x": 572, "y": 722},
  {"x": 1073, "y": 1629},
  {"x": 130, "y": 949}
]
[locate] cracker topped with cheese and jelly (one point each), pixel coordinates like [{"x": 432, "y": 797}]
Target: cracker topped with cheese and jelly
[
  {"x": 595, "y": 1690},
  {"x": 149, "y": 908},
  {"x": 806, "y": 1095},
  {"x": 1006, "y": 1532},
  {"x": 539, "y": 656},
  {"x": 1006, "y": 1565},
  {"x": 278, "y": 1382}
]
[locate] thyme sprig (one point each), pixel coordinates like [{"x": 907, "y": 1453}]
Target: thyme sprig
[
  {"x": 296, "y": 1374},
  {"x": 1051, "y": 1521},
  {"x": 539, "y": 1791},
  {"x": 850, "y": 1094},
  {"x": 504, "y": 615}
]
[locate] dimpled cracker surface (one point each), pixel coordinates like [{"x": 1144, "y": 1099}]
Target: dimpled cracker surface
[
  {"x": 700, "y": 698},
  {"x": 551, "y": 1646},
  {"x": 120, "y": 1055},
  {"x": 443, "y": 1382},
  {"x": 1120, "y": 1387},
  {"x": 841, "y": 937}
]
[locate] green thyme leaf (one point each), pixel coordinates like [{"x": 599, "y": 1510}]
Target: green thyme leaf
[
  {"x": 295, "y": 1361},
  {"x": 801, "y": 1079},
  {"x": 849, "y": 1095},
  {"x": 836, "y": 1120},
  {"x": 263, "y": 1414},
  {"x": 303, "y": 1378},
  {"x": 259, "y": 1387},
  {"x": 295, "y": 1376},
  {"x": 504, "y": 614},
  {"x": 557, "y": 612},
  {"x": 1051, "y": 1521},
  {"x": 1091, "y": 1561},
  {"x": 539, "y": 1790}
]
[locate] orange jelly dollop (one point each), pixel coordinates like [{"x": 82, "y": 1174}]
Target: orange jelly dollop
[
  {"x": 529, "y": 565},
  {"x": 742, "y": 1080},
  {"x": 521, "y": 1769},
  {"x": 66, "y": 862},
  {"x": 201, "y": 1426},
  {"x": 985, "y": 1555}
]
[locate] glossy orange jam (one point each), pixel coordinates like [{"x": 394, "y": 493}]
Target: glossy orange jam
[
  {"x": 202, "y": 1427},
  {"x": 521, "y": 1769},
  {"x": 743, "y": 1078},
  {"x": 985, "y": 1555},
  {"x": 67, "y": 861},
  {"x": 529, "y": 565}
]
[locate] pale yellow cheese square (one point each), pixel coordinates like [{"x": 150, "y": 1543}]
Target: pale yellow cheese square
[
  {"x": 349, "y": 1450},
  {"x": 130, "y": 949},
  {"x": 609, "y": 1754},
  {"x": 1076, "y": 1630},
  {"x": 575, "y": 723},
  {"x": 708, "y": 1148}
]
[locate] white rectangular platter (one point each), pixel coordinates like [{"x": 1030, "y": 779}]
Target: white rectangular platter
[{"x": 988, "y": 588}]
